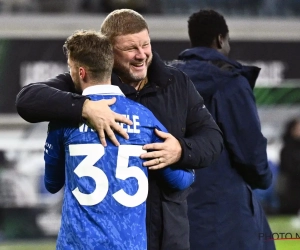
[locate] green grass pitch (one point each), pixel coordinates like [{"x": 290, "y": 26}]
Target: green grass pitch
[{"x": 279, "y": 224}]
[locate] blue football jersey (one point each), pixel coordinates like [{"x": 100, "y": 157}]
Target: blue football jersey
[{"x": 105, "y": 187}]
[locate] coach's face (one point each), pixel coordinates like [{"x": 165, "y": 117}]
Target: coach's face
[
  {"x": 132, "y": 56},
  {"x": 74, "y": 72}
]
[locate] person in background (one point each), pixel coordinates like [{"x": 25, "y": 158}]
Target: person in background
[
  {"x": 105, "y": 188},
  {"x": 289, "y": 170},
  {"x": 223, "y": 212},
  {"x": 193, "y": 140}
]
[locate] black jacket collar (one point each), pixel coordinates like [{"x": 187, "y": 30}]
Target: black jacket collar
[{"x": 158, "y": 72}]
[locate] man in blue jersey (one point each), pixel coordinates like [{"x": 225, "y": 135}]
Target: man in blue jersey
[{"x": 105, "y": 187}]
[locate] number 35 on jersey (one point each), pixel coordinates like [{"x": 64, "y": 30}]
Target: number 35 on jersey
[{"x": 93, "y": 153}]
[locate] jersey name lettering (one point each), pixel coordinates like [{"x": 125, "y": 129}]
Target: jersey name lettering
[{"x": 134, "y": 128}]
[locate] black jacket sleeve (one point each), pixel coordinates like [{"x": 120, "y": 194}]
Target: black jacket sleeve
[
  {"x": 203, "y": 141},
  {"x": 52, "y": 100}
]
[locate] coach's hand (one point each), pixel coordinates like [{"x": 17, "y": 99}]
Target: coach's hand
[
  {"x": 162, "y": 153},
  {"x": 103, "y": 119}
]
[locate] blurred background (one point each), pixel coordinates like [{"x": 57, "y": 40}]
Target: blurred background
[{"x": 265, "y": 33}]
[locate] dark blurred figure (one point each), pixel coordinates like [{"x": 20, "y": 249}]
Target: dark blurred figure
[{"x": 290, "y": 168}]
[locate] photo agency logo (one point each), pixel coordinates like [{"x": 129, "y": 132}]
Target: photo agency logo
[{"x": 279, "y": 236}]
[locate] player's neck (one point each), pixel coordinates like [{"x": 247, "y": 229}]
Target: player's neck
[{"x": 89, "y": 84}]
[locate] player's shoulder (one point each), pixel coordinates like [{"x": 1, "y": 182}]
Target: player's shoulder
[
  {"x": 63, "y": 128},
  {"x": 134, "y": 105}
]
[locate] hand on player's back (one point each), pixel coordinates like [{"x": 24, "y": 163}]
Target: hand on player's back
[{"x": 164, "y": 153}]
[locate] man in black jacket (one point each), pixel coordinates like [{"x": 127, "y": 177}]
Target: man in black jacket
[{"x": 194, "y": 141}]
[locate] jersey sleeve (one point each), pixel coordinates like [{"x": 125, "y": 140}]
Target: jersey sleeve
[
  {"x": 178, "y": 179},
  {"x": 54, "y": 158},
  {"x": 175, "y": 178}
]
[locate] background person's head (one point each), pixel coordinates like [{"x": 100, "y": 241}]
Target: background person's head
[
  {"x": 90, "y": 58},
  {"x": 208, "y": 28},
  {"x": 129, "y": 35},
  {"x": 292, "y": 130}
]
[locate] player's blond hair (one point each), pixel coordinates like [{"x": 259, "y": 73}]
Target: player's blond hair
[{"x": 93, "y": 50}]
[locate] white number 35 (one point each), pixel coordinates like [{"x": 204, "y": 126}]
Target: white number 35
[{"x": 93, "y": 153}]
